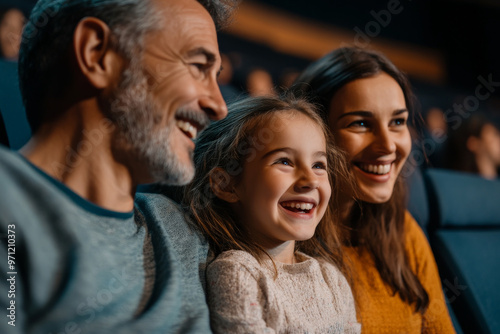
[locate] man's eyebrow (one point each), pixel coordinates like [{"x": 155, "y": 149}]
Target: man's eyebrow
[{"x": 202, "y": 51}]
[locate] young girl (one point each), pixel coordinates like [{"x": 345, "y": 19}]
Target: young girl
[
  {"x": 260, "y": 192},
  {"x": 366, "y": 101}
]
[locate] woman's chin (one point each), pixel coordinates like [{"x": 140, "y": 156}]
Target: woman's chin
[{"x": 376, "y": 197}]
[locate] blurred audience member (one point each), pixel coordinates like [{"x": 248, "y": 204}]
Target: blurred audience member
[
  {"x": 260, "y": 83},
  {"x": 475, "y": 147},
  {"x": 11, "y": 28},
  {"x": 436, "y": 122},
  {"x": 225, "y": 78},
  {"x": 226, "y": 74},
  {"x": 287, "y": 78},
  {"x": 435, "y": 136}
]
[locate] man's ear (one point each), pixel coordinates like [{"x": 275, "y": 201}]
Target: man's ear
[
  {"x": 97, "y": 61},
  {"x": 222, "y": 185}
]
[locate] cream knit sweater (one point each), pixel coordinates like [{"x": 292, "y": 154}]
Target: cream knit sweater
[{"x": 311, "y": 296}]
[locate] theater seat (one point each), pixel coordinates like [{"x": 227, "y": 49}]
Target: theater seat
[
  {"x": 417, "y": 198},
  {"x": 464, "y": 233},
  {"x": 4, "y": 140},
  {"x": 11, "y": 106}
]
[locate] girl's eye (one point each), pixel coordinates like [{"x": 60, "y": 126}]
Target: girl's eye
[
  {"x": 319, "y": 165},
  {"x": 283, "y": 161}
]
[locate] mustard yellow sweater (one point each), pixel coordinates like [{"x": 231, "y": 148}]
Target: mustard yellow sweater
[{"x": 381, "y": 312}]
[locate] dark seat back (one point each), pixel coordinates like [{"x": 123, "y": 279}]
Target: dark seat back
[
  {"x": 4, "y": 139},
  {"x": 465, "y": 237},
  {"x": 11, "y": 106}
]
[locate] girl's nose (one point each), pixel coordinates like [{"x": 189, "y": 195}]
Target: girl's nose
[{"x": 307, "y": 181}]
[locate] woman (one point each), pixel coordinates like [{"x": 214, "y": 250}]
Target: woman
[{"x": 366, "y": 101}]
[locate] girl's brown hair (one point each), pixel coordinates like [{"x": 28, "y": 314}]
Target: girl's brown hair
[
  {"x": 377, "y": 228},
  {"x": 228, "y": 144}
]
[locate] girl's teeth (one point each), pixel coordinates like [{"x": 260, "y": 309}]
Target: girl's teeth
[
  {"x": 187, "y": 127},
  {"x": 376, "y": 169},
  {"x": 299, "y": 205}
]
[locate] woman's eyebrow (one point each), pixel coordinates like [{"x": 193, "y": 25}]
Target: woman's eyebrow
[
  {"x": 356, "y": 113},
  {"x": 399, "y": 111}
]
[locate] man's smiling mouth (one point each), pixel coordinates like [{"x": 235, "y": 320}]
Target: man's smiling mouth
[
  {"x": 187, "y": 128},
  {"x": 191, "y": 122}
]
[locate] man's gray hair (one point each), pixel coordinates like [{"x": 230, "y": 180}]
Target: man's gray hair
[{"x": 47, "y": 37}]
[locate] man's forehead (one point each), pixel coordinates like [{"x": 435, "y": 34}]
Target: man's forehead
[
  {"x": 184, "y": 15},
  {"x": 187, "y": 28},
  {"x": 174, "y": 7}
]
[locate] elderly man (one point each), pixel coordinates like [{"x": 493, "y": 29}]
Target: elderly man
[{"x": 115, "y": 92}]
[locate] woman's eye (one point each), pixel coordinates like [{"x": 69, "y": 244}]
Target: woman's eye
[
  {"x": 399, "y": 121},
  {"x": 358, "y": 124}
]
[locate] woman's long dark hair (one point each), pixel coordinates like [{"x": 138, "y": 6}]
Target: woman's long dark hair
[{"x": 377, "y": 228}]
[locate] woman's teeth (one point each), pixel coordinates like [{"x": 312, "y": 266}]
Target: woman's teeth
[
  {"x": 187, "y": 128},
  {"x": 298, "y": 205},
  {"x": 376, "y": 169}
]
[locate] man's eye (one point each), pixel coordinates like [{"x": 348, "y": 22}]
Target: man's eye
[{"x": 200, "y": 67}]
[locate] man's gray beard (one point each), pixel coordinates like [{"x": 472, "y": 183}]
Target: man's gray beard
[{"x": 136, "y": 116}]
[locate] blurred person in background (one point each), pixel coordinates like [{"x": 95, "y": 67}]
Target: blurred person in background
[
  {"x": 287, "y": 78},
  {"x": 474, "y": 147},
  {"x": 11, "y": 28},
  {"x": 436, "y": 122},
  {"x": 259, "y": 82},
  {"x": 225, "y": 79},
  {"x": 435, "y": 133}
]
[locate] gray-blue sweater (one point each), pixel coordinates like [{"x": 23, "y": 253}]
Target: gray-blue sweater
[{"x": 79, "y": 268}]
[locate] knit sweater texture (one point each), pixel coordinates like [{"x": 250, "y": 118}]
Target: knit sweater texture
[
  {"x": 381, "y": 311},
  {"x": 311, "y": 296}
]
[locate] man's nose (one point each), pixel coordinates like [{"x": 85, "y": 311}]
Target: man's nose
[{"x": 213, "y": 103}]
